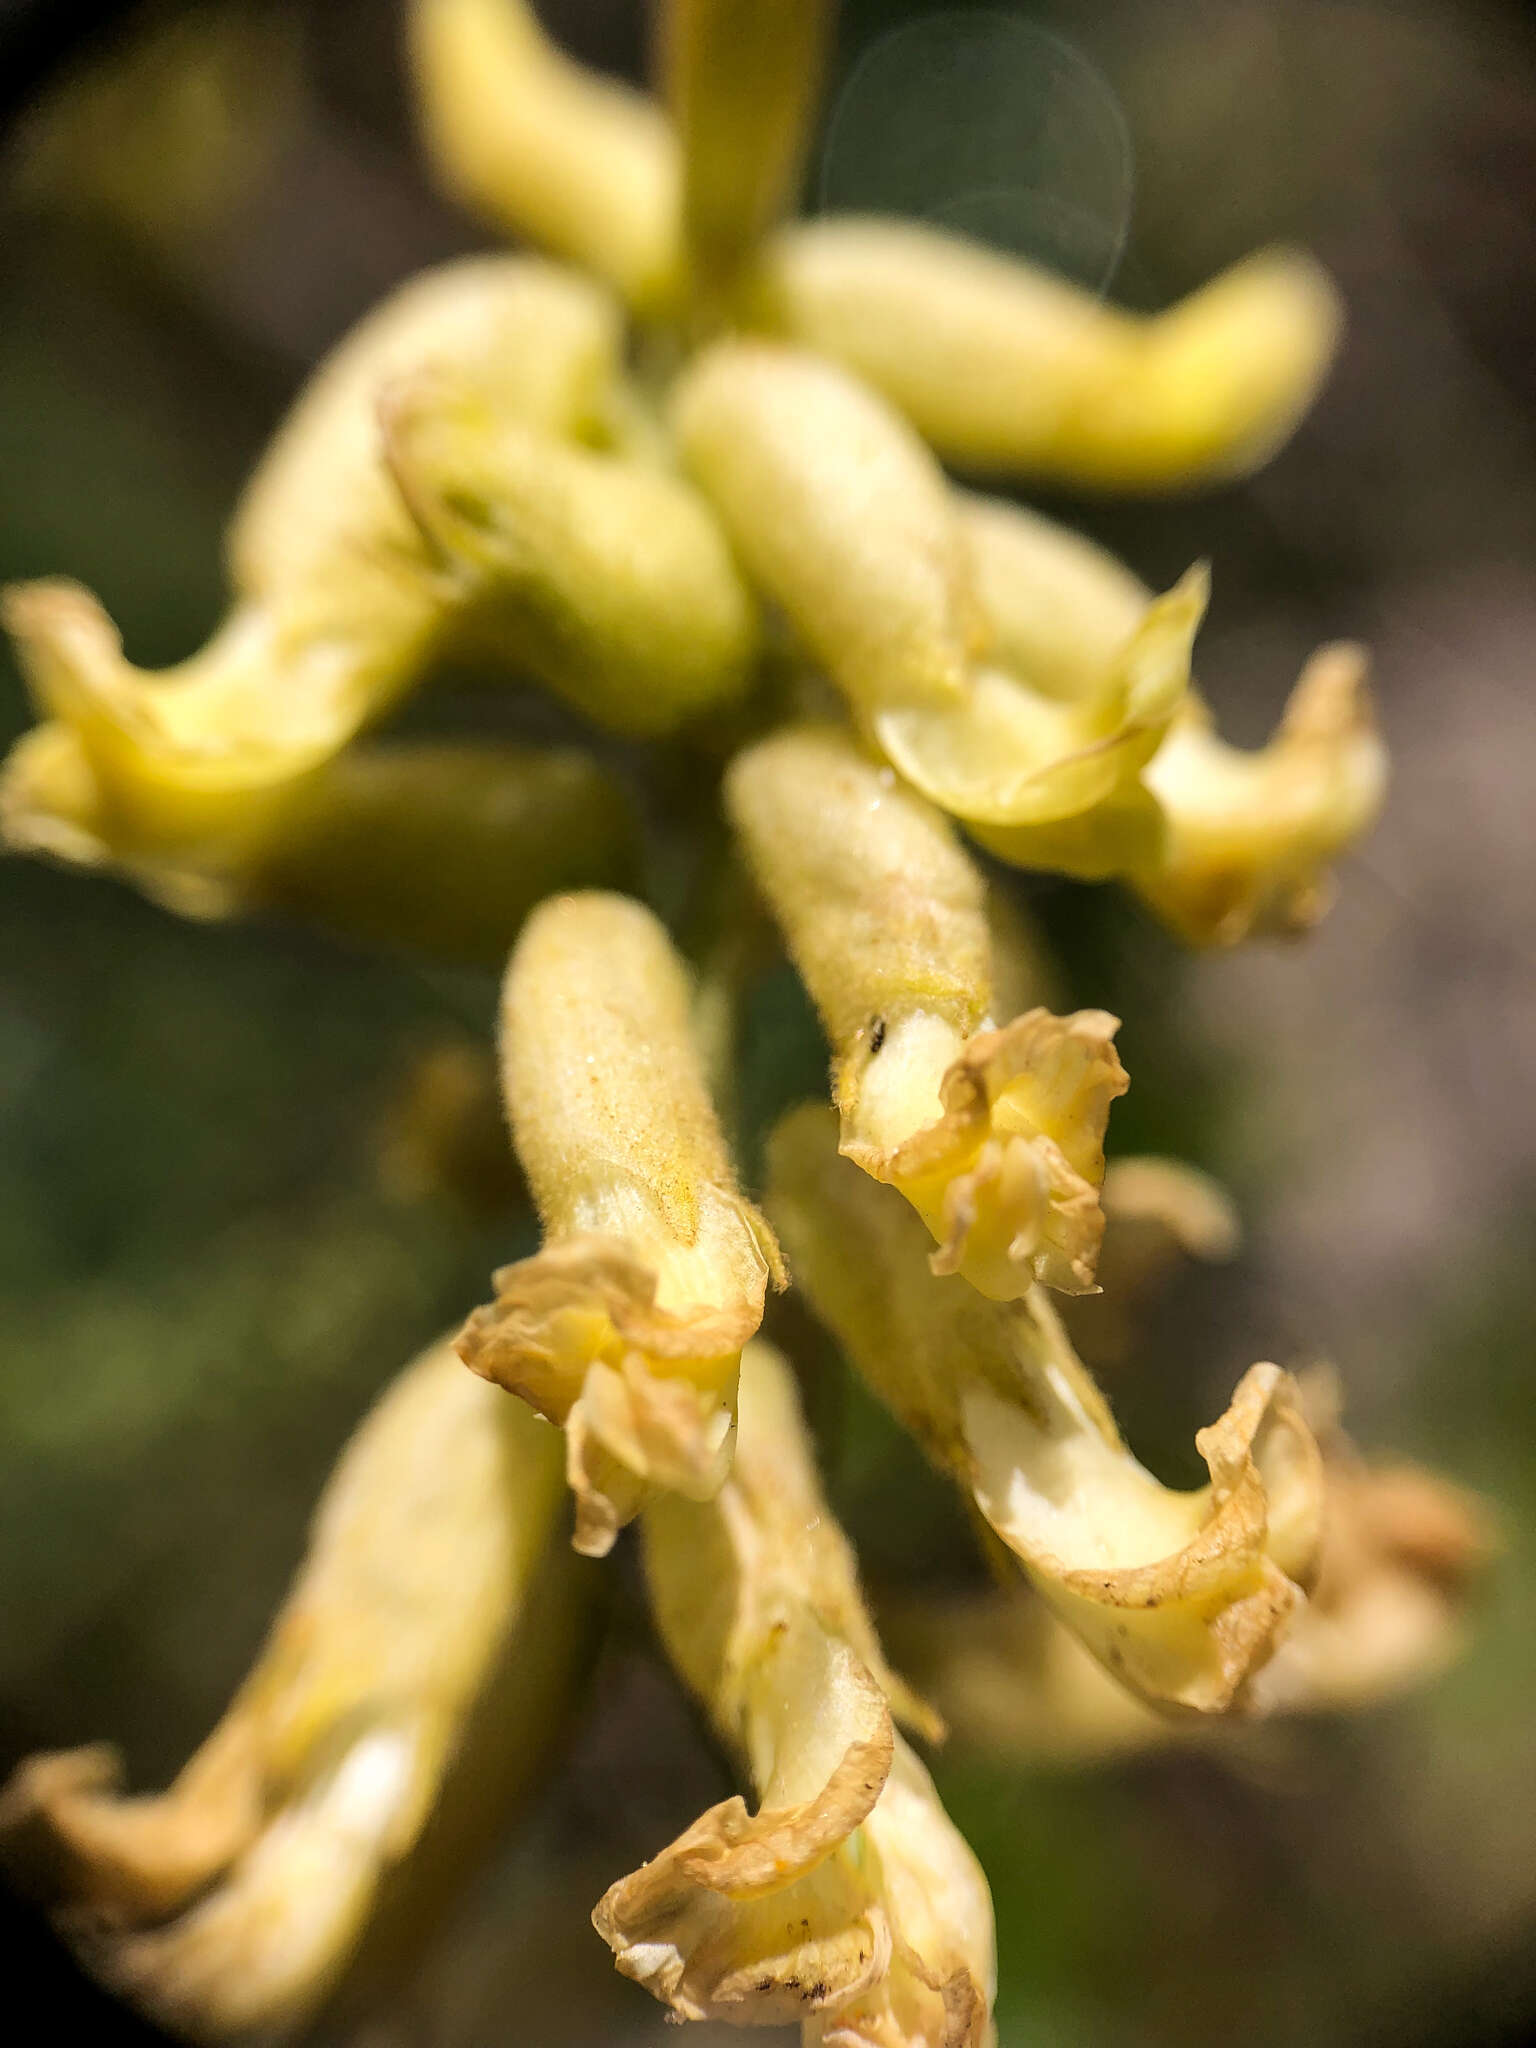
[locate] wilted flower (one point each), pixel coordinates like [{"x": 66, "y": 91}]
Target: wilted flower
[
  {"x": 1183, "y": 1596},
  {"x": 231, "y": 1904},
  {"x": 1402, "y": 1553},
  {"x": 994, "y": 1135},
  {"x": 847, "y": 1901},
  {"x": 627, "y": 1327}
]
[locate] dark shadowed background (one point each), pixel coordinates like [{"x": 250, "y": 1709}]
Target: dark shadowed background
[{"x": 208, "y": 1263}]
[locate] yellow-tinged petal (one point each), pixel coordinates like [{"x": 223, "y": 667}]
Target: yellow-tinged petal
[
  {"x": 541, "y": 343},
  {"x": 1402, "y": 1553},
  {"x": 610, "y": 582},
  {"x": 839, "y": 513},
  {"x": 1181, "y": 1595},
  {"x": 1007, "y": 758},
  {"x": 1002, "y": 367},
  {"x": 847, "y": 1901},
  {"x": 442, "y": 846},
  {"x": 339, "y": 603},
  {"x": 743, "y": 82},
  {"x": 541, "y": 147},
  {"x": 994, "y": 1135},
  {"x": 1248, "y": 838},
  {"x": 626, "y": 1329},
  {"x": 229, "y": 1905},
  {"x": 1060, "y": 608}
]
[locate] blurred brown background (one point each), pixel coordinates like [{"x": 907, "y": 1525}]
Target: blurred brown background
[{"x": 207, "y": 1269}]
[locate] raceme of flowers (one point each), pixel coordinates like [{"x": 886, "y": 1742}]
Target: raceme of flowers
[{"x": 684, "y": 469}]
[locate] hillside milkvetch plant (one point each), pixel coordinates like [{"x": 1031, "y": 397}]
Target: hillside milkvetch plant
[{"x": 680, "y": 468}]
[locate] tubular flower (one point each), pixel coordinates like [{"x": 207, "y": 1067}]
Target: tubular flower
[
  {"x": 1401, "y": 1556},
  {"x": 579, "y": 164},
  {"x": 840, "y": 513},
  {"x": 229, "y": 1905},
  {"x": 611, "y": 580},
  {"x": 847, "y": 1901},
  {"x": 1219, "y": 841},
  {"x": 1183, "y": 1596},
  {"x": 338, "y": 603},
  {"x": 1001, "y": 367},
  {"x": 627, "y": 1328},
  {"x": 995, "y": 1136},
  {"x": 760, "y": 509}
]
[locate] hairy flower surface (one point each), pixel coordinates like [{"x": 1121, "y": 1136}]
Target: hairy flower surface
[
  {"x": 1183, "y": 1596},
  {"x": 994, "y": 1135},
  {"x": 229, "y": 1905},
  {"x": 338, "y": 605},
  {"x": 735, "y": 508},
  {"x": 847, "y": 1901},
  {"x": 627, "y": 1328},
  {"x": 1000, "y": 366}
]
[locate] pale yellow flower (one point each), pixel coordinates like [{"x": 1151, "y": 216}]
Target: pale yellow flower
[
  {"x": 848, "y": 1901},
  {"x": 1003, "y": 367},
  {"x": 338, "y": 603},
  {"x": 230, "y": 1905},
  {"x": 627, "y": 1328},
  {"x": 995, "y": 1135},
  {"x": 1402, "y": 1554},
  {"x": 605, "y": 579},
  {"x": 1183, "y": 1596},
  {"x": 579, "y": 164}
]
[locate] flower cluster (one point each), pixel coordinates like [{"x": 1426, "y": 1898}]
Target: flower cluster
[{"x": 684, "y": 470}]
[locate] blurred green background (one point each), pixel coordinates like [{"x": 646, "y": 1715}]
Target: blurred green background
[{"x": 210, "y": 1258}]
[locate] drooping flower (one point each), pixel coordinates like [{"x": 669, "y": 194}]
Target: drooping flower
[
  {"x": 230, "y": 1905},
  {"x": 992, "y": 1128},
  {"x": 1182, "y": 1596},
  {"x": 626, "y": 1328},
  {"x": 847, "y": 1901}
]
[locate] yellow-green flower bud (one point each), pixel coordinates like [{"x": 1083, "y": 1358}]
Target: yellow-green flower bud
[
  {"x": 742, "y": 80},
  {"x": 1182, "y": 1596},
  {"x": 627, "y": 1328},
  {"x": 1002, "y": 367},
  {"x": 848, "y": 1901},
  {"x": 994, "y": 1135},
  {"x": 228, "y": 1906},
  {"x": 339, "y": 603},
  {"x": 608, "y": 582},
  {"x": 541, "y": 147}
]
